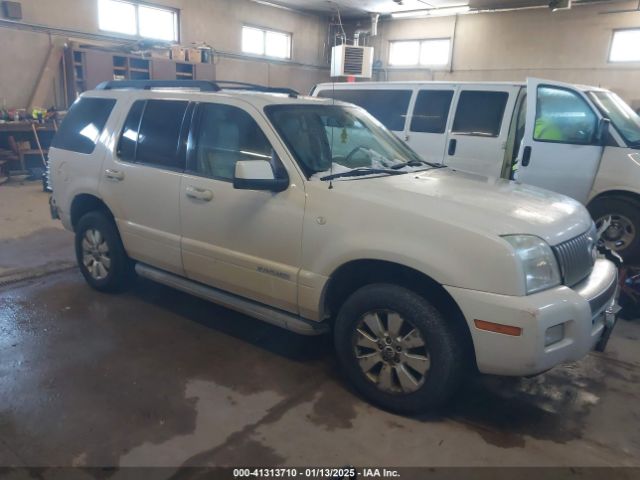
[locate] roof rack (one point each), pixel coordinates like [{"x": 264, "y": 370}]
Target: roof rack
[{"x": 202, "y": 85}]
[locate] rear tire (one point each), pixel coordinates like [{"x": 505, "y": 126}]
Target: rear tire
[
  {"x": 100, "y": 253},
  {"x": 388, "y": 364},
  {"x": 623, "y": 236}
]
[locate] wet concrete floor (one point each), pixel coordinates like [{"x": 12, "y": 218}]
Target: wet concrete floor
[{"x": 157, "y": 377}]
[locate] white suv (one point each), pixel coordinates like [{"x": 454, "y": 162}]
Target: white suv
[{"x": 310, "y": 215}]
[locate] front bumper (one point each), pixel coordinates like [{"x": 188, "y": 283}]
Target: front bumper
[{"x": 585, "y": 310}]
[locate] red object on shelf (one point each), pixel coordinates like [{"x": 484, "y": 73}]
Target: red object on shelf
[{"x": 351, "y": 79}]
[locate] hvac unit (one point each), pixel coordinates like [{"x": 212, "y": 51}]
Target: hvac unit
[{"x": 351, "y": 61}]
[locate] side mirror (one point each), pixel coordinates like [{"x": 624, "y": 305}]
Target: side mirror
[
  {"x": 257, "y": 175},
  {"x": 602, "y": 134}
]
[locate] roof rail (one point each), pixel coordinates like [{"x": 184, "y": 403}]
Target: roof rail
[
  {"x": 202, "y": 85},
  {"x": 230, "y": 85}
]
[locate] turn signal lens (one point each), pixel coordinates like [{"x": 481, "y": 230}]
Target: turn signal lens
[{"x": 498, "y": 328}]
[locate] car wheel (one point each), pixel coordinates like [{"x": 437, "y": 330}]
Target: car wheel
[
  {"x": 397, "y": 349},
  {"x": 100, "y": 253},
  {"x": 623, "y": 235}
]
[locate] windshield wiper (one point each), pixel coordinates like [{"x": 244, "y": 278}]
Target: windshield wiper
[
  {"x": 417, "y": 163},
  {"x": 358, "y": 172}
]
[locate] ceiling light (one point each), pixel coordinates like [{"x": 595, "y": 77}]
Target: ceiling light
[{"x": 432, "y": 12}]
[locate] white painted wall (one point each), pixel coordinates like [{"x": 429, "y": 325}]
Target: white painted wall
[
  {"x": 216, "y": 22},
  {"x": 570, "y": 46}
]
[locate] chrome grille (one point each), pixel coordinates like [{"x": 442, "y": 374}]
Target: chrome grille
[{"x": 576, "y": 257}]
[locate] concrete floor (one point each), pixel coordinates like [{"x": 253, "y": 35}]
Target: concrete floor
[{"x": 154, "y": 377}]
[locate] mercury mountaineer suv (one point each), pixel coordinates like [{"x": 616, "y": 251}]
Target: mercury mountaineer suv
[{"x": 308, "y": 214}]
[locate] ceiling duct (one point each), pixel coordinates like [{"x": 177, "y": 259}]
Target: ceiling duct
[{"x": 375, "y": 18}]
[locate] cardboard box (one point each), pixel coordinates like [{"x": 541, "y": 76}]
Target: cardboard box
[
  {"x": 194, "y": 55},
  {"x": 178, "y": 54},
  {"x": 164, "y": 53}
]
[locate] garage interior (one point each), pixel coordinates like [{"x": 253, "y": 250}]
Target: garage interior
[{"x": 158, "y": 378}]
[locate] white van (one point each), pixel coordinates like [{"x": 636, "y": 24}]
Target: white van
[{"x": 577, "y": 140}]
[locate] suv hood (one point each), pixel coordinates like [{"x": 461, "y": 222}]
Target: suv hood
[{"x": 495, "y": 206}]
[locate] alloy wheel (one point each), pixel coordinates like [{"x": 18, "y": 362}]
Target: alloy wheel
[
  {"x": 95, "y": 254},
  {"x": 391, "y": 352}
]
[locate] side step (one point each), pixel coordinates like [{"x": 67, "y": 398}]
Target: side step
[{"x": 253, "y": 309}]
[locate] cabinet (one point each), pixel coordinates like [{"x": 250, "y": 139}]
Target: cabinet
[{"x": 87, "y": 68}]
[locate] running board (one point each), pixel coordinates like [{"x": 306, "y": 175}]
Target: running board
[{"x": 253, "y": 309}]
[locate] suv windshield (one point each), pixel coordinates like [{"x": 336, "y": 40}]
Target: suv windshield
[
  {"x": 626, "y": 121},
  {"x": 336, "y": 139}
]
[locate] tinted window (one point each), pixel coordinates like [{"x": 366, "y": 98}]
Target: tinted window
[
  {"x": 431, "y": 111},
  {"x": 83, "y": 125},
  {"x": 480, "y": 113},
  {"x": 224, "y": 135},
  {"x": 563, "y": 116},
  {"x": 334, "y": 138},
  {"x": 388, "y": 106},
  {"x": 129, "y": 137},
  {"x": 159, "y": 135}
]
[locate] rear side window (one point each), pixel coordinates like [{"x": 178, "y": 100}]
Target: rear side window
[
  {"x": 388, "y": 106},
  {"x": 480, "y": 113},
  {"x": 431, "y": 111},
  {"x": 83, "y": 125},
  {"x": 151, "y": 134},
  {"x": 129, "y": 137}
]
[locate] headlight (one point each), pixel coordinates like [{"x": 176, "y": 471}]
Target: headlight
[{"x": 538, "y": 262}]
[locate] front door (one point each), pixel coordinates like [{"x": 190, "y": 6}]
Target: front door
[
  {"x": 479, "y": 132},
  {"x": 241, "y": 241},
  {"x": 560, "y": 150}
]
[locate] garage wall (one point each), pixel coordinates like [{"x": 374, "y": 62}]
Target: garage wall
[
  {"x": 570, "y": 46},
  {"x": 216, "y": 22}
]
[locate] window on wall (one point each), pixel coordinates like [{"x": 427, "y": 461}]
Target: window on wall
[
  {"x": 140, "y": 20},
  {"x": 422, "y": 53},
  {"x": 624, "y": 47},
  {"x": 268, "y": 43}
]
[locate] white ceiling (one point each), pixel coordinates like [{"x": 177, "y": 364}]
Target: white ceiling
[
  {"x": 350, "y": 8},
  {"x": 358, "y": 7}
]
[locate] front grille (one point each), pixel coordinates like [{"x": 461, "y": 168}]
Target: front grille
[{"x": 576, "y": 257}]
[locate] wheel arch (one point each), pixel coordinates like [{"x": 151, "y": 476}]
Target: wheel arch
[
  {"x": 355, "y": 274},
  {"x": 83, "y": 203},
  {"x": 628, "y": 194}
]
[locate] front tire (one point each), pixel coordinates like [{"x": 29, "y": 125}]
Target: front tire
[
  {"x": 397, "y": 349},
  {"x": 623, "y": 235},
  {"x": 100, "y": 253}
]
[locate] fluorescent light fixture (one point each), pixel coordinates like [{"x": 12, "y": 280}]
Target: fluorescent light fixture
[{"x": 432, "y": 12}]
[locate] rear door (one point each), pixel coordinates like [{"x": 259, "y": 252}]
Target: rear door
[
  {"x": 480, "y": 129},
  {"x": 429, "y": 120},
  {"x": 387, "y": 103},
  {"x": 560, "y": 150},
  {"x": 141, "y": 181}
]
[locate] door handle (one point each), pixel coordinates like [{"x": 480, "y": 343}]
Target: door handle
[
  {"x": 406, "y": 138},
  {"x": 114, "y": 175},
  {"x": 526, "y": 156},
  {"x": 199, "y": 194},
  {"x": 453, "y": 143}
]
